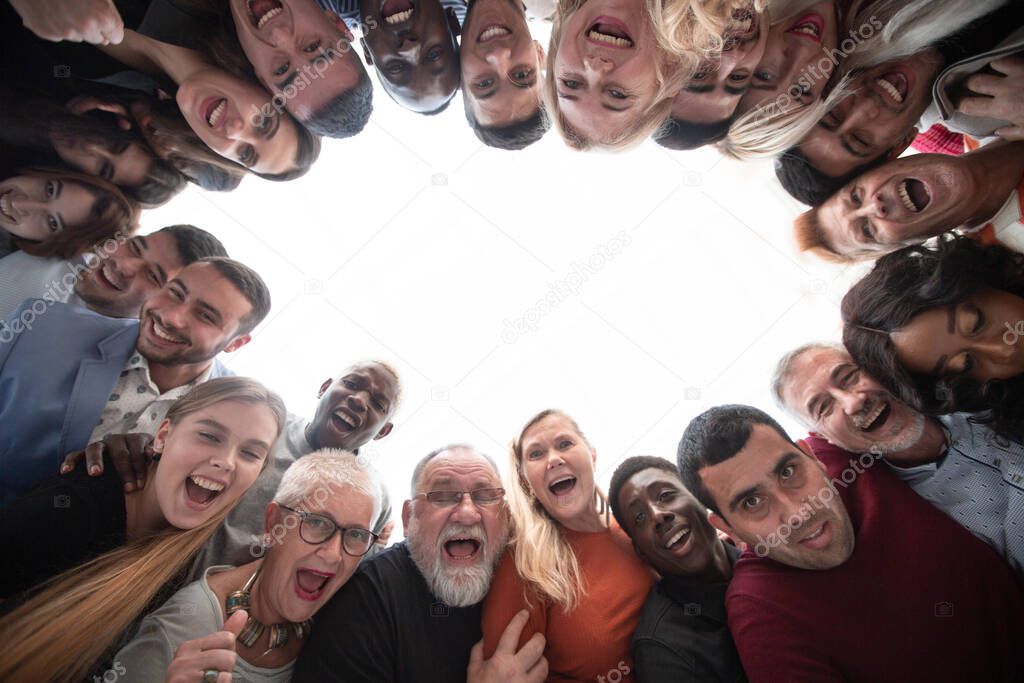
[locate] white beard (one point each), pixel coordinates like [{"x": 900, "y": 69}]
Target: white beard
[
  {"x": 455, "y": 586},
  {"x": 911, "y": 435}
]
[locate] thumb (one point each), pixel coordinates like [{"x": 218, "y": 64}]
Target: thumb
[
  {"x": 236, "y": 622},
  {"x": 476, "y": 655}
]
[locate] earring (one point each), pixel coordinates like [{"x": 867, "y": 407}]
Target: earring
[{"x": 156, "y": 456}]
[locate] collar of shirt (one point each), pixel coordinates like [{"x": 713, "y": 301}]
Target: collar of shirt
[{"x": 709, "y": 597}]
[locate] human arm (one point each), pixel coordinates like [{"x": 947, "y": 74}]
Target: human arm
[
  {"x": 93, "y": 21},
  {"x": 129, "y": 453},
  {"x": 1000, "y": 95}
]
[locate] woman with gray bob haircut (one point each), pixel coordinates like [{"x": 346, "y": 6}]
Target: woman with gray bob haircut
[{"x": 252, "y": 620}]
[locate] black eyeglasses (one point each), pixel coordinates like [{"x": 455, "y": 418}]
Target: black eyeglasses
[
  {"x": 316, "y": 529},
  {"x": 445, "y": 499}
]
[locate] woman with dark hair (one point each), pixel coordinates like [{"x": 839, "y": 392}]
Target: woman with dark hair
[
  {"x": 51, "y": 135},
  {"x": 943, "y": 328},
  {"x": 234, "y": 117},
  {"x": 55, "y": 213}
]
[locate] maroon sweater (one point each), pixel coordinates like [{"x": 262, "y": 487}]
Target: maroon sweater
[{"x": 920, "y": 599}]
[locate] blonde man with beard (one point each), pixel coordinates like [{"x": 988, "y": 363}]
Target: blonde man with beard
[
  {"x": 956, "y": 464},
  {"x": 412, "y": 613}
]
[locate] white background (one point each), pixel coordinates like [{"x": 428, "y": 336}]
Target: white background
[{"x": 414, "y": 243}]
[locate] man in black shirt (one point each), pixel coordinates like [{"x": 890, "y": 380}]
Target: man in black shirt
[
  {"x": 412, "y": 613},
  {"x": 682, "y": 634}
]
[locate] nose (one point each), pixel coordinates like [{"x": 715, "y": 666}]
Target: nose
[
  {"x": 172, "y": 316},
  {"x": 598, "y": 64},
  {"x": 279, "y": 35},
  {"x": 331, "y": 550},
  {"x": 554, "y": 460},
  {"x": 864, "y": 107},
  {"x": 876, "y": 205},
  {"x": 466, "y": 511},
  {"x": 235, "y": 127},
  {"x": 406, "y": 39},
  {"x": 791, "y": 509},
  {"x": 26, "y": 205},
  {"x": 852, "y": 403},
  {"x": 224, "y": 459},
  {"x": 995, "y": 348},
  {"x": 661, "y": 516},
  {"x": 498, "y": 56},
  {"x": 355, "y": 402}
]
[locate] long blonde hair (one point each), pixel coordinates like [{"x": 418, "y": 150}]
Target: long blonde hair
[
  {"x": 74, "y": 619},
  {"x": 691, "y": 31},
  {"x": 544, "y": 559}
]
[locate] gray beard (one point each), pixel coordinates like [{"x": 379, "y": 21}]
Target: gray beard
[
  {"x": 454, "y": 586},
  {"x": 910, "y": 439}
]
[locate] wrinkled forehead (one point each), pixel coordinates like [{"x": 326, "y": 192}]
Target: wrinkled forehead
[
  {"x": 458, "y": 468},
  {"x": 376, "y": 375},
  {"x": 809, "y": 374}
]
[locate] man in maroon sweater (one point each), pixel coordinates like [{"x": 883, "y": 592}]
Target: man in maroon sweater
[{"x": 852, "y": 576}]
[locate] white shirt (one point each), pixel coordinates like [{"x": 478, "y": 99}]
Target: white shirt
[{"x": 136, "y": 404}]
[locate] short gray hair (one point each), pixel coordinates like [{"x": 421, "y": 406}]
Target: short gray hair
[
  {"x": 784, "y": 368},
  {"x": 310, "y": 477},
  {"x": 417, "y": 473}
]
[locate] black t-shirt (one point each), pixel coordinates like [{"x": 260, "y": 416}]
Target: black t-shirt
[
  {"x": 58, "y": 525},
  {"x": 982, "y": 34},
  {"x": 384, "y": 626},
  {"x": 683, "y": 635}
]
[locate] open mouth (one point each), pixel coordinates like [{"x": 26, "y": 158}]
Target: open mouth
[
  {"x": 202, "y": 491},
  {"x": 109, "y": 276},
  {"x": 262, "y": 11},
  {"x": 610, "y": 32},
  {"x": 894, "y": 86},
  {"x": 310, "y": 583},
  {"x": 163, "y": 335},
  {"x": 397, "y": 11},
  {"x": 7, "y": 206},
  {"x": 213, "y": 110},
  {"x": 462, "y": 549},
  {"x": 914, "y": 194},
  {"x": 818, "y": 538},
  {"x": 808, "y": 27},
  {"x": 344, "y": 421},
  {"x": 678, "y": 539},
  {"x": 874, "y": 418},
  {"x": 562, "y": 486},
  {"x": 493, "y": 31}
]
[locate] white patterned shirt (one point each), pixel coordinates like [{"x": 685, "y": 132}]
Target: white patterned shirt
[
  {"x": 136, "y": 404},
  {"x": 979, "y": 482}
]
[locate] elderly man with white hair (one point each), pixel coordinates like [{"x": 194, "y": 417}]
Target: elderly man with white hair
[
  {"x": 412, "y": 613},
  {"x": 253, "y": 620}
]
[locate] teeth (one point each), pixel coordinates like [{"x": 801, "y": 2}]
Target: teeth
[
  {"x": 5, "y": 204},
  {"x": 399, "y": 17},
  {"x": 208, "y": 484},
  {"x": 217, "y": 112},
  {"x": 162, "y": 332},
  {"x": 817, "y": 533},
  {"x": 808, "y": 29},
  {"x": 268, "y": 16},
  {"x": 867, "y": 420},
  {"x": 493, "y": 32},
  {"x": 610, "y": 40},
  {"x": 561, "y": 479},
  {"x": 890, "y": 89},
  {"x": 108, "y": 275},
  {"x": 677, "y": 536},
  {"x": 905, "y": 196},
  {"x": 345, "y": 419}
]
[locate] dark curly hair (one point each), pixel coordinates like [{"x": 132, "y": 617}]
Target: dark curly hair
[{"x": 916, "y": 279}]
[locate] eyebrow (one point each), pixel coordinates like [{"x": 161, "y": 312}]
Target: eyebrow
[
  {"x": 273, "y": 131},
  {"x": 699, "y": 88},
  {"x": 951, "y": 318},
  {"x": 210, "y": 309},
  {"x": 210, "y": 422},
  {"x": 779, "y": 466},
  {"x": 289, "y": 80}
]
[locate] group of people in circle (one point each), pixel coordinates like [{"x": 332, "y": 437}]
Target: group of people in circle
[{"x": 163, "y": 519}]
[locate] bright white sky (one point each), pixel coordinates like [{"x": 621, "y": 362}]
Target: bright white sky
[{"x": 414, "y": 243}]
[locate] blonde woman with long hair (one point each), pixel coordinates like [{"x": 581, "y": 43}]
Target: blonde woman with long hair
[
  {"x": 209, "y": 450},
  {"x": 569, "y": 564},
  {"x": 613, "y": 66}
]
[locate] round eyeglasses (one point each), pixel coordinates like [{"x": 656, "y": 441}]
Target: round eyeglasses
[
  {"x": 444, "y": 499},
  {"x": 317, "y": 529}
]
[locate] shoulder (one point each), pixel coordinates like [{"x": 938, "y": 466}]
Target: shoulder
[{"x": 657, "y": 606}]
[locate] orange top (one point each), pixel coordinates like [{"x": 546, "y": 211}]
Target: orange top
[{"x": 592, "y": 642}]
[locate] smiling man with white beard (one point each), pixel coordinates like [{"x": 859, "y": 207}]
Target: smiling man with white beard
[
  {"x": 412, "y": 613},
  {"x": 953, "y": 462}
]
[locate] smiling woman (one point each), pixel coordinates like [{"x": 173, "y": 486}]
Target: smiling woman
[
  {"x": 51, "y": 212},
  {"x": 941, "y": 328},
  {"x": 211, "y": 447}
]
